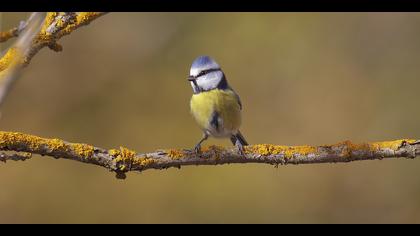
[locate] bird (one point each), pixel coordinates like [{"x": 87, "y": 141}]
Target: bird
[{"x": 215, "y": 106}]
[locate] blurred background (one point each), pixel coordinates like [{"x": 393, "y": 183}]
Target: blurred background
[{"x": 303, "y": 78}]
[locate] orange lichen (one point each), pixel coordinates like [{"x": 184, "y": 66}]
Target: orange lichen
[
  {"x": 4, "y": 36},
  {"x": 212, "y": 148},
  {"x": 175, "y": 154}
]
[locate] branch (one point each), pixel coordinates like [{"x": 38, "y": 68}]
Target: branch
[
  {"x": 41, "y": 30},
  {"x": 123, "y": 160}
]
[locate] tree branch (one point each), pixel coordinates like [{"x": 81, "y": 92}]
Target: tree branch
[
  {"x": 123, "y": 160},
  {"x": 41, "y": 30}
]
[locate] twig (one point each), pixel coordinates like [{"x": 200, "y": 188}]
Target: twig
[
  {"x": 13, "y": 32},
  {"x": 123, "y": 160},
  {"x": 15, "y": 156}
]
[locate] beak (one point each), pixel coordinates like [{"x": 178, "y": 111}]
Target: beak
[{"x": 191, "y": 78}]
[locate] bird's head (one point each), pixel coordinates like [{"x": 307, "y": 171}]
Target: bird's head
[{"x": 206, "y": 74}]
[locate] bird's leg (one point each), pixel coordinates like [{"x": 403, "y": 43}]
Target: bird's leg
[
  {"x": 238, "y": 144},
  {"x": 197, "y": 147},
  {"x": 240, "y": 147}
]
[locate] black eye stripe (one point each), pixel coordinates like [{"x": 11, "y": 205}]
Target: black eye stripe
[{"x": 206, "y": 72}]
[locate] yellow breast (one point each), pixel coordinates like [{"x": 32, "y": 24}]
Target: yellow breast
[{"x": 224, "y": 102}]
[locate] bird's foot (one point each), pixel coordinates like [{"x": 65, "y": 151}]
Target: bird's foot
[
  {"x": 241, "y": 149},
  {"x": 197, "y": 149}
]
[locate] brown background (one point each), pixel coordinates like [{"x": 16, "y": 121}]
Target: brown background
[{"x": 304, "y": 78}]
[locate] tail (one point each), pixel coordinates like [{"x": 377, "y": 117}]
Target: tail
[{"x": 240, "y": 138}]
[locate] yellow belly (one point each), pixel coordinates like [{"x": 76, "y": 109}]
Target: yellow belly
[{"x": 225, "y": 103}]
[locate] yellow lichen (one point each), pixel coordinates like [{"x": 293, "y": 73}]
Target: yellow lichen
[
  {"x": 84, "y": 17},
  {"x": 125, "y": 155},
  {"x": 60, "y": 23},
  {"x": 49, "y": 19},
  {"x": 143, "y": 161},
  {"x": 114, "y": 152},
  {"x": 394, "y": 145},
  {"x": 125, "y": 158},
  {"x": 348, "y": 147},
  {"x": 56, "y": 144},
  {"x": 287, "y": 151},
  {"x": 12, "y": 56},
  {"x": 34, "y": 144},
  {"x": 10, "y": 139},
  {"x": 45, "y": 38},
  {"x": 27, "y": 155},
  {"x": 81, "y": 19},
  {"x": 176, "y": 154},
  {"x": 83, "y": 150}
]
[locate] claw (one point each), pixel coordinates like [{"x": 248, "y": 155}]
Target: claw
[
  {"x": 197, "y": 149},
  {"x": 241, "y": 150}
]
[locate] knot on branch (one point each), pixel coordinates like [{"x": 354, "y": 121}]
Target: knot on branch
[
  {"x": 125, "y": 159},
  {"x": 409, "y": 149}
]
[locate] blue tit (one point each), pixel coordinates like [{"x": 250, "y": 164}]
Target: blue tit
[{"x": 214, "y": 104}]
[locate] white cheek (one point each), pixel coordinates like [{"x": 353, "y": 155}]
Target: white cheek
[
  {"x": 209, "y": 81},
  {"x": 205, "y": 84}
]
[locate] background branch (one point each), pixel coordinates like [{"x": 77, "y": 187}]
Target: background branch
[
  {"x": 123, "y": 160},
  {"x": 41, "y": 30}
]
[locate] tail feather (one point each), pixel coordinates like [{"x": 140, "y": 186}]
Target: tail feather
[{"x": 239, "y": 137}]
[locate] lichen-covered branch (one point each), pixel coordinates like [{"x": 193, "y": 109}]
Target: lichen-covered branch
[
  {"x": 123, "y": 160},
  {"x": 39, "y": 31}
]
